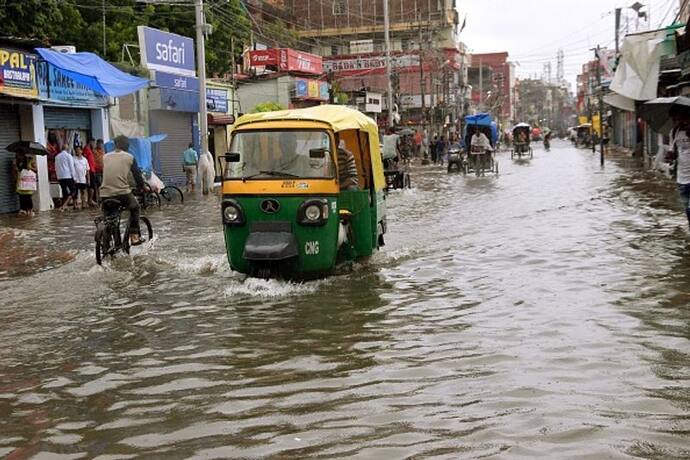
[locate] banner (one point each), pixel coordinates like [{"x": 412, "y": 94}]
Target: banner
[
  {"x": 54, "y": 85},
  {"x": 18, "y": 73},
  {"x": 287, "y": 60}
]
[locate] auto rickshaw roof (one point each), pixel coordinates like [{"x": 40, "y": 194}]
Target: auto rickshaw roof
[{"x": 339, "y": 117}]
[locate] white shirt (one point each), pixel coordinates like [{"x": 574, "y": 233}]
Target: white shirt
[
  {"x": 81, "y": 169},
  {"x": 681, "y": 141},
  {"x": 480, "y": 140},
  {"x": 64, "y": 165},
  {"x": 390, "y": 144}
]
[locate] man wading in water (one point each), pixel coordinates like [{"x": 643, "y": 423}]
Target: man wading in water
[{"x": 680, "y": 151}]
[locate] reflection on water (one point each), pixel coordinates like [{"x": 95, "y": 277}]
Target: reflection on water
[{"x": 540, "y": 313}]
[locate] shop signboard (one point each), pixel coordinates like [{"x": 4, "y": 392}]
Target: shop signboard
[
  {"x": 18, "y": 73},
  {"x": 217, "y": 100},
  {"x": 314, "y": 91},
  {"x": 55, "y": 85},
  {"x": 287, "y": 60},
  {"x": 325, "y": 91},
  {"x": 166, "y": 51},
  {"x": 301, "y": 88},
  {"x": 370, "y": 62},
  {"x": 173, "y": 81}
]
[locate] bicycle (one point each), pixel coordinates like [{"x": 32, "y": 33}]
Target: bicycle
[
  {"x": 109, "y": 239},
  {"x": 150, "y": 198}
]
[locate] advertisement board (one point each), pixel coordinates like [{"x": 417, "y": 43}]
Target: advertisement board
[
  {"x": 54, "y": 85},
  {"x": 172, "y": 81},
  {"x": 167, "y": 52},
  {"x": 18, "y": 73},
  {"x": 217, "y": 100},
  {"x": 306, "y": 88},
  {"x": 369, "y": 62},
  {"x": 287, "y": 60}
]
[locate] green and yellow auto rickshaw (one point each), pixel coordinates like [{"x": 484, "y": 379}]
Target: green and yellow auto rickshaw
[{"x": 286, "y": 209}]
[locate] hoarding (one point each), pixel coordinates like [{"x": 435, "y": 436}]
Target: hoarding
[
  {"x": 55, "y": 85},
  {"x": 369, "y": 62},
  {"x": 18, "y": 73},
  {"x": 166, "y": 51},
  {"x": 217, "y": 100},
  {"x": 287, "y": 60},
  {"x": 311, "y": 89}
]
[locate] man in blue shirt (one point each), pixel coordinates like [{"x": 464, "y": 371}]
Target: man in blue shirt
[{"x": 190, "y": 159}]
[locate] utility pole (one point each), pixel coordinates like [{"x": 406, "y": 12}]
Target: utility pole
[
  {"x": 232, "y": 76},
  {"x": 601, "y": 107},
  {"x": 386, "y": 33},
  {"x": 422, "y": 81},
  {"x": 201, "y": 64},
  {"x": 104, "y": 42},
  {"x": 617, "y": 27},
  {"x": 481, "y": 83}
]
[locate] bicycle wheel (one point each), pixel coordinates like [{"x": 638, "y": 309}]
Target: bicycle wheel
[
  {"x": 145, "y": 229},
  {"x": 172, "y": 195},
  {"x": 152, "y": 198},
  {"x": 104, "y": 244}
]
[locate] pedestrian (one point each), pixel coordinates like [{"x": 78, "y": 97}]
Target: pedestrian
[
  {"x": 98, "y": 154},
  {"x": 432, "y": 147},
  {"x": 441, "y": 149},
  {"x": 25, "y": 176},
  {"x": 81, "y": 178},
  {"x": 64, "y": 170},
  {"x": 680, "y": 152},
  {"x": 88, "y": 153},
  {"x": 190, "y": 160},
  {"x": 207, "y": 172},
  {"x": 417, "y": 143}
]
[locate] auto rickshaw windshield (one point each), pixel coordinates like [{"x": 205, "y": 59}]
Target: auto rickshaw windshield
[{"x": 277, "y": 154}]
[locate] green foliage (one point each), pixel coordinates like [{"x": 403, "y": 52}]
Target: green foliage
[
  {"x": 268, "y": 106},
  {"x": 80, "y": 23}
]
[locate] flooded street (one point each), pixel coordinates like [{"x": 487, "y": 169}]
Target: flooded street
[{"x": 545, "y": 313}]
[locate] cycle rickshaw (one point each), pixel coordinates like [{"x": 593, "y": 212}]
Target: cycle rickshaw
[{"x": 521, "y": 141}]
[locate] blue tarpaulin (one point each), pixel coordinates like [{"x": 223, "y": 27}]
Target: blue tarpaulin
[
  {"x": 93, "y": 72},
  {"x": 140, "y": 148},
  {"x": 482, "y": 119}
]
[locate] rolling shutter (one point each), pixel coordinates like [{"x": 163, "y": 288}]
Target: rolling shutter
[
  {"x": 59, "y": 118},
  {"x": 167, "y": 161},
  {"x": 9, "y": 132}
]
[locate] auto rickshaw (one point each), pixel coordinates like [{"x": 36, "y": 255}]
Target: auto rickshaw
[
  {"x": 286, "y": 212},
  {"x": 583, "y": 135}
]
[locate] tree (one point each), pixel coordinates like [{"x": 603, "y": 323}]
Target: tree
[
  {"x": 268, "y": 106},
  {"x": 79, "y": 23}
]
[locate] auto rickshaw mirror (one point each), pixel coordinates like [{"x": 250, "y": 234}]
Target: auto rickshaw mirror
[
  {"x": 232, "y": 157},
  {"x": 317, "y": 153}
]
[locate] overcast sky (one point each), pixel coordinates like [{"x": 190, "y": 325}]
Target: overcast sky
[{"x": 532, "y": 31}]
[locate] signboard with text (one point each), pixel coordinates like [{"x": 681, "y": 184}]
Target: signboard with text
[
  {"x": 287, "y": 60},
  {"x": 166, "y": 52},
  {"x": 18, "y": 73},
  {"x": 311, "y": 89},
  {"x": 54, "y": 85},
  {"x": 369, "y": 62},
  {"x": 181, "y": 82},
  {"x": 217, "y": 100}
]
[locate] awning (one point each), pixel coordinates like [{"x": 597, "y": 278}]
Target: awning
[
  {"x": 620, "y": 102},
  {"x": 92, "y": 71}
]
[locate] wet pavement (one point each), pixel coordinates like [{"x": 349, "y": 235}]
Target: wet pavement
[{"x": 545, "y": 313}]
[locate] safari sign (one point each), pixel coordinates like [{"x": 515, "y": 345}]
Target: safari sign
[{"x": 166, "y": 52}]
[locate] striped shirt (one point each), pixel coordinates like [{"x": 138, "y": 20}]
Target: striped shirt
[{"x": 347, "y": 170}]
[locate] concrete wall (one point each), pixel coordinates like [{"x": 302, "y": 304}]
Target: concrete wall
[{"x": 276, "y": 90}]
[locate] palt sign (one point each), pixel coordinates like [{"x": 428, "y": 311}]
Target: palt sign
[{"x": 166, "y": 52}]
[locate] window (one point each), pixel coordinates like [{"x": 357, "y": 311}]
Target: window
[
  {"x": 339, "y": 7},
  {"x": 334, "y": 50},
  {"x": 280, "y": 155}
]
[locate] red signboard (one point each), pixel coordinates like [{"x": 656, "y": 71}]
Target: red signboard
[{"x": 287, "y": 60}]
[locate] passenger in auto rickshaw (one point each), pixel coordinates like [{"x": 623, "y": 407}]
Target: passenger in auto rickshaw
[
  {"x": 480, "y": 147},
  {"x": 347, "y": 167}
]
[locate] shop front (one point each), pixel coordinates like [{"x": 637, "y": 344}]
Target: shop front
[
  {"x": 72, "y": 113},
  {"x": 17, "y": 90},
  {"x": 173, "y": 110}
]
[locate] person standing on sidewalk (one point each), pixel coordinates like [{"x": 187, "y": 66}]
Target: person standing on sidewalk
[
  {"x": 89, "y": 155},
  {"x": 190, "y": 160},
  {"x": 64, "y": 169},
  {"x": 680, "y": 152},
  {"x": 98, "y": 154}
]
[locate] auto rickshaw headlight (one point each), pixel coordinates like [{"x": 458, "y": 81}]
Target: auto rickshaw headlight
[
  {"x": 232, "y": 213},
  {"x": 313, "y": 212}
]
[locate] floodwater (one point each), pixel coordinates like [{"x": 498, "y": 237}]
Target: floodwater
[{"x": 545, "y": 313}]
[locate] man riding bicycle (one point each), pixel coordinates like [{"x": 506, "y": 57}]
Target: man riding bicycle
[{"x": 118, "y": 167}]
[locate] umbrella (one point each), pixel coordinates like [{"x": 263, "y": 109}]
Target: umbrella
[
  {"x": 655, "y": 112},
  {"x": 32, "y": 148}
]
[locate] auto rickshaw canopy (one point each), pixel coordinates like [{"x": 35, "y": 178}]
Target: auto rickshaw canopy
[{"x": 350, "y": 124}]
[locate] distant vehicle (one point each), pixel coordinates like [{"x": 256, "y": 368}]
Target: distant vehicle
[
  {"x": 583, "y": 136},
  {"x": 285, "y": 212},
  {"x": 521, "y": 141}
]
